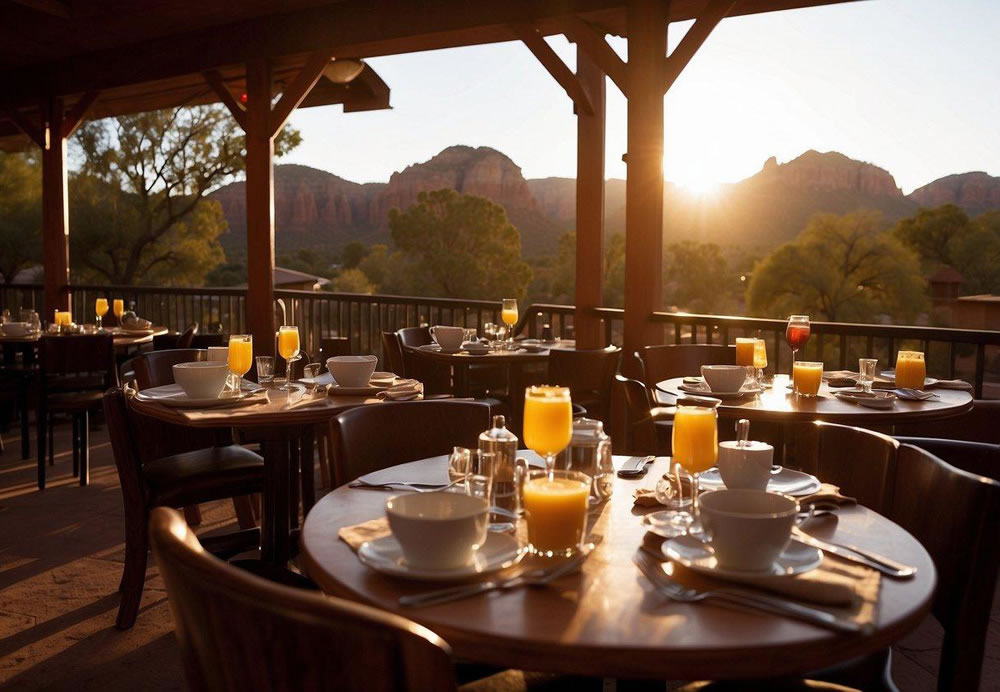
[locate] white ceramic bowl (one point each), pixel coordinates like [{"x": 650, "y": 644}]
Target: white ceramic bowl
[
  {"x": 724, "y": 378},
  {"x": 16, "y": 329},
  {"x": 202, "y": 379},
  {"x": 438, "y": 530},
  {"x": 352, "y": 371},
  {"x": 749, "y": 528},
  {"x": 448, "y": 338}
]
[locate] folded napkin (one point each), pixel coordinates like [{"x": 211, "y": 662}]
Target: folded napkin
[
  {"x": 839, "y": 587},
  {"x": 915, "y": 394},
  {"x": 828, "y": 493},
  {"x": 402, "y": 390},
  {"x": 961, "y": 385},
  {"x": 371, "y": 530}
]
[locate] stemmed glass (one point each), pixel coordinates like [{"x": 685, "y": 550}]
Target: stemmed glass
[
  {"x": 797, "y": 333},
  {"x": 759, "y": 361},
  {"x": 695, "y": 449},
  {"x": 288, "y": 348},
  {"x": 548, "y": 421},
  {"x": 119, "y": 309},
  {"x": 240, "y": 358},
  {"x": 101, "y": 308},
  {"x": 508, "y": 314}
]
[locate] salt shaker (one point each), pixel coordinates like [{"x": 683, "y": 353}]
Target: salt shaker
[{"x": 503, "y": 443}]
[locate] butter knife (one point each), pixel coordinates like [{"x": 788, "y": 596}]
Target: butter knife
[{"x": 880, "y": 563}]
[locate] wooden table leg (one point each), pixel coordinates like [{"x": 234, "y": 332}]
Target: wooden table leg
[
  {"x": 308, "y": 467},
  {"x": 23, "y": 388},
  {"x": 275, "y": 522},
  {"x": 460, "y": 380}
]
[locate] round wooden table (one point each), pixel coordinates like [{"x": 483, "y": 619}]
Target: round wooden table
[
  {"x": 607, "y": 620},
  {"x": 780, "y": 405},
  {"x": 278, "y": 427},
  {"x": 462, "y": 361}
]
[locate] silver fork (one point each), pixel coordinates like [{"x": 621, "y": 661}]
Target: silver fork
[
  {"x": 407, "y": 485},
  {"x": 745, "y": 598},
  {"x": 538, "y": 577}
]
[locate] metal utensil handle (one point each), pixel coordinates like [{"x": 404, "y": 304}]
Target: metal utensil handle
[
  {"x": 453, "y": 593},
  {"x": 790, "y": 608},
  {"x": 874, "y": 557},
  {"x": 901, "y": 572}
]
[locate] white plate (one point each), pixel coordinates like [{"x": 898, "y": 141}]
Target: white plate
[
  {"x": 878, "y": 399},
  {"x": 891, "y": 375},
  {"x": 786, "y": 481},
  {"x": 797, "y": 558},
  {"x": 173, "y": 396},
  {"x": 704, "y": 390},
  {"x": 437, "y": 349},
  {"x": 384, "y": 555}
]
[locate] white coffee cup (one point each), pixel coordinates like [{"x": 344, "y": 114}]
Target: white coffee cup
[
  {"x": 438, "y": 530},
  {"x": 201, "y": 379},
  {"x": 749, "y": 528},
  {"x": 747, "y": 467},
  {"x": 724, "y": 378},
  {"x": 448, "y": 338}
]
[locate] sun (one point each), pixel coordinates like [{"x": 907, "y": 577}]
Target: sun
[{"x": 696, "y": 181}]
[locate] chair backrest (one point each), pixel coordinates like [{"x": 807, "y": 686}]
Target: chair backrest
[
  {"x": 977, "y": 425},
  {"x": 78, "y": 355},
  {"x": 980, "y": 458},
  {"x": 640, "y": 433},
  {"x": 956, "y": 517},
  {"x": 680, "y": 360},
  {"x": 392, "y": 354},
  {"x": 156, "y": 368},
  {"x": 589, "y": 375},
  {"x": 239, "y": 632},
  {"x": 414, "y": 336},
  {"x": 334, "y": 346},
  {"x": 861, "y": 462},
  {"x": 126, "y": 453},
  {"x": 368, "y": 438},
  {"x": 204, "y": 340},
  {"x": 187, "y": 338}
]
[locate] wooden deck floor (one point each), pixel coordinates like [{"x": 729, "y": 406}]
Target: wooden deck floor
[{"x": 61, "y": 556}]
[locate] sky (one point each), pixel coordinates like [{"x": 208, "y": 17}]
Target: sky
[{"x": 912, "y": 86}]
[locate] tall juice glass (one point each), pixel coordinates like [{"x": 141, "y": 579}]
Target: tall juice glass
[
  {"x": 101, "y": 308},
  {"x": 118, "y": 307},
  {"x": 240, "y": 358},
  {"x": 759, "y": 360},
  {"x": 555, "y": 510},
  {"x": 911, "y": 369},
  {"x": 548, "y": 421},
  {"x": 508, "y": 313},
  {"x": 696, "y": 449},
  {"x": 744, "y": 351},
  {"x": 288, "y": 348},
  {"x": 806, "y": 378}
]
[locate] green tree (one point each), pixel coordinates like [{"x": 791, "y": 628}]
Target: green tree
[
  {"x": 353, "y": 253},
  {"x": 138, "y": 207},
  {"x": 843, "y": 268},
  {"x": 20, "y": 214},
  {"x": 462, "y": 246},
  {"x": 976, "y": 254},
  {"x": 698, "y": 278},
  {"x": 932, "y": 233},
  {"x": 352, "y": 281},
  {"x": 562, "y": 272}
]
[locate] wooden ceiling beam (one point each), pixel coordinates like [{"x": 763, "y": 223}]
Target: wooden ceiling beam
[
  {"x": 74, "y": 118},
  {"x": 557, "y": 68},
  {"x": 714, "y": 12},
  {"x": 300, "y": 87},
  {"x": 238, "y": 111},
  {"x": 597, "y": 49},
  {"x": 35, "y": 133}
]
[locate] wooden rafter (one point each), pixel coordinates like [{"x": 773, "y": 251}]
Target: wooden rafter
[
  {"x": 35, "y": 133},
  {"x": 299, "y": 89},
  {"x": 236, "y": 108},
  {"x": 593, "y": 44},
  {"x": 714, "y": 12},
  {"x": 56, "y": 8},
  {"x": 556, "y": 67},
  {"x": 74, "y": 118}
]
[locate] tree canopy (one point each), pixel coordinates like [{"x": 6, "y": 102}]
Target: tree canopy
[
  {"x": 460, "y": 246},
  {"x": 698, "y": 278},
  {"x": 840, "y": 268},
  {"x": 20, "y": 214}
]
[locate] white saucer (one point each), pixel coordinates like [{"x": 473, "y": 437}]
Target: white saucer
[
  {"x": 704, "y": 390},
  {"x": 499, "y": 552},
  {"x": 173, "y": 396},
  {"x": 878, "y": 399},
  {"x": 697, "y": 556},
  {"x": 787, "y": 481}
]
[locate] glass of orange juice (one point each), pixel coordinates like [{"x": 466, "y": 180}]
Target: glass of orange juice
[
  {"x": 118, "y": 307},
  {"x": 695, "y": 449},
  {"x": 508, "y": 313},
  {"x": 288, "y": 348},
  {"x": 101, "y": 308},
  {"x": 240, "y": 358},
  {"x": 744, "y": 351},
  {"x": 759, "y": 360},
  {"x": 806, "y": 378},
  {"x": 548, "y": 421},
  {"x": 911, "y": 369},
  {"x": 555, "y": 510}
]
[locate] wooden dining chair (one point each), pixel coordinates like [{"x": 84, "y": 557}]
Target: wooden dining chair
[
  {"x": 334, "y": 346},
  {"x": 369, "y": 438},
  {"x": 156, "y": 368},
  {"x": 187, "y": 336},
  {"x": 648, "y": 427},
  {"x": 589, "y": 374},
  {"x": 74, "y": 371},
  {"x": 392, "y": 354},
  {"x": 435, "y": 376},
  {"x": 177, "y": 480},
  {"x": 862, "y": 463},
  {"x": 658, "y": 363},
  {"x": 979, "y": 424}
]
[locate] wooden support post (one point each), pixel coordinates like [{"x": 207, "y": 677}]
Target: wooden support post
[
  {"x": 556, "y": 67},
  {"x": 589, "y": 205},
  {"x": 713, "y": 13},
  {"x": 260, "y": 208},
  {"x": 55, "y": 209},
  {"x": 647, "y": 47}
]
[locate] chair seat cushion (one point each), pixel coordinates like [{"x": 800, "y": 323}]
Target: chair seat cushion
[
  {"x": 74, "y": 401},
  {"x": 203, "y": 475}
]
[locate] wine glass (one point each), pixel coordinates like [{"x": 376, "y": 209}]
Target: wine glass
[
  {"x": 797, "y": 333},
  {"x": 240, "y": 358},
  {"x": 118, "y": 308},
  {"x": 288, "y": 348},
  {"x": 508, "y": 314},
  {"x": 548, "y": 421},
  {"x": 759, "y": 360},
  {"x": 101, "y": 308},
  {"x": 490, "y": 331},
  {"x": 695, "y": 449}
]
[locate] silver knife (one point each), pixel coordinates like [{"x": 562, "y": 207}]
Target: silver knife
[
  {"x": 634, "y": 466},
  {"x": 852, "y": 553}
]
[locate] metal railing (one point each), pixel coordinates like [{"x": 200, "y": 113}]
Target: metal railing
[{"x": 969, "y": 354}]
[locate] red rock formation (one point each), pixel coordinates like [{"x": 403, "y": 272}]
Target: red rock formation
[
  {"x": 974, "y": 192},
  {"x": 830, "y": 171}
]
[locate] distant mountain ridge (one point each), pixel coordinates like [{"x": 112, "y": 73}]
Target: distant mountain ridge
[{"x": 317, "y": 208}]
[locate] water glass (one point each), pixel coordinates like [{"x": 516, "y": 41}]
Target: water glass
[
  {"x": 470, "y": 335},
  {"x": 866, "y": 373},
  {"x": 312, "y": 370},
  {"x": 265, "y": 369},
  {"x": 458, "y": 464},
  {"x": 482, "y": 469}
]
